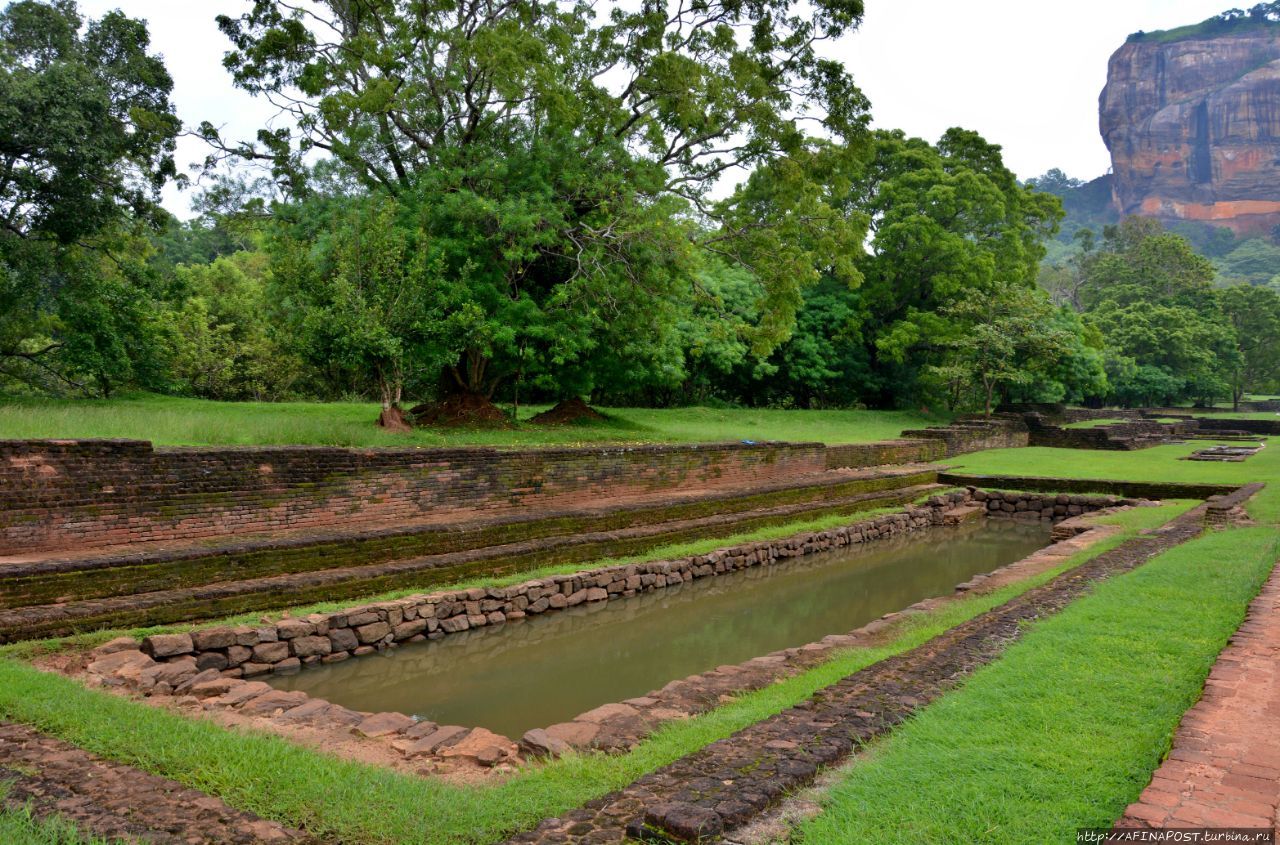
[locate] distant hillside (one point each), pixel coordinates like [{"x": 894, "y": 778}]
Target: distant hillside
[{"x": 1249, "y": 260}]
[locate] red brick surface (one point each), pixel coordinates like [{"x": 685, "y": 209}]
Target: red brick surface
[{"x": 1224, "y": 769}]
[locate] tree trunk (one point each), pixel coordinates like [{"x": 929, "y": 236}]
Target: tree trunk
[{"x": 471, "y": 374}]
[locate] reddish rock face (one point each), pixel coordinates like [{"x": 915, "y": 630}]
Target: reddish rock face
[{"x": 1193, "y": 128}]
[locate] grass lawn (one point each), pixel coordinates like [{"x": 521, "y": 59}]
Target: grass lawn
[
  {"x": 364, "y": 805},
  {"x": 1064, "y": 730},
  {"x": 1228, "y": 414},
  {"x": 1093, "y": 423},
  {"x": 1159, "y": 463},
  {"x": 195, "y": 422}
]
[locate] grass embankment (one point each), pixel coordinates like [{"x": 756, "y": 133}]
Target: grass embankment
[
  {"x": 194, "y": 422},
  {"x": 364, "y": 805},
  {"x": 1159, "y": 463},
  {"x": 1065, "y": 729}
]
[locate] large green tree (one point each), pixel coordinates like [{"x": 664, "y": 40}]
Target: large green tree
[
  {"x": 949, "y": 222},
  {"x": 86, "y": 141},
  {"x": 1153, "y": 298},
  {"x": 563, "y": 164},
  {"x": 1254, "y": 313},
  {"x": 998, "y": 337}
]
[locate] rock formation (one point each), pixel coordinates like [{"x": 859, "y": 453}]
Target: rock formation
[{"x": 1193, "y": 126}]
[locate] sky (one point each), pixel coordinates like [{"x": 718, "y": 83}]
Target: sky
[{"x": 1025, "y": 74}]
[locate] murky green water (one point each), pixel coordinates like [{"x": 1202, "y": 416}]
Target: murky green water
[{"x": 550, "y": 668}]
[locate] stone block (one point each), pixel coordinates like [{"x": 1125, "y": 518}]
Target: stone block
[{"x": 168, "y": 645}]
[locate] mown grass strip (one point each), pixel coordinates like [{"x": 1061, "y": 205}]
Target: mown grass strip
[
  {"x": 174, "y": 421},
  {"x": 1065, "y": 729},
  {"x": 1159, "y": 463},
  {"x": 364, "y": 805}
]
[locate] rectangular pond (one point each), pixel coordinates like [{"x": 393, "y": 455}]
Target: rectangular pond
[{"x": 549, "y": 668}]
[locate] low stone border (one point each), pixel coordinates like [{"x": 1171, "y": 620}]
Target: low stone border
[{"x": 196, "y": 669}]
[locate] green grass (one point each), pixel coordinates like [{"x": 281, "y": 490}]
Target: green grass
[
  {"x": 1064, "y": 730},
  {"x": 1093, "y": 423},
  {"x": 1159, "y": 463},
  {"x": 365, "y": 805},
  {"x": 195, "y": 422},
  {"x": 18, "y": 826},
  {"x": 1225, "y": 413}
]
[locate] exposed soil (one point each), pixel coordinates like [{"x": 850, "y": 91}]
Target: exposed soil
[
  {"x": 567, "y": 412},
  {"x": 460, "y": 409},
  {"x": 119, "y": 802},
  {"x": 394, "y": 419}
]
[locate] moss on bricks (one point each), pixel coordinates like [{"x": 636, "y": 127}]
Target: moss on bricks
[{"x": 211, "y": 565}]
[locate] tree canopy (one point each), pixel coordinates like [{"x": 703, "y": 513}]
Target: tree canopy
[
  {"x": 537, "y": 201},
  {"x": 559, "y": 167},
  {"x": 86, "y": 142}
]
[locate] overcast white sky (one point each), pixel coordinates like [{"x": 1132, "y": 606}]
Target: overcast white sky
[{"x": 1024, "y": 73}]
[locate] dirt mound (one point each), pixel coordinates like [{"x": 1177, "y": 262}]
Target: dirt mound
[
  {"x": 394, "y": 419},
  {"x": 567, "y": 411},
  {"x": 460, "y": 409}
]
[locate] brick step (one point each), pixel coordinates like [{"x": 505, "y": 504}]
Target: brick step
[
  {"x": 59, "y": 577},
  {"x": 228, "y": 598}
]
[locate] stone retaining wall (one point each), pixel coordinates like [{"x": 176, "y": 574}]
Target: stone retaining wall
[
  {"x": 1052, "y": 506},
  {"x": 974, "y": 434},
  {"x": 1130, "y": 489},
  {"x": 69, "y": 494},
  {"x": 1123, "y": 436},
  {"x": 72, "y": 494},
  {"x": 1211, "y": 424}
]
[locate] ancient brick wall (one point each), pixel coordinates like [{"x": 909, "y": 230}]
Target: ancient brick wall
[
  {"x": 885, "y": 452},
  {"x": 69, "y": 494},
  {"x": 1072, "y": 415},
  {"x": 1208, "y": 424},
  {"x": 977, "y": 433}
]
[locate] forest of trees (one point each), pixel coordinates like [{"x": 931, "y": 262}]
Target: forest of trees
[{"x": 490, "y": 202}]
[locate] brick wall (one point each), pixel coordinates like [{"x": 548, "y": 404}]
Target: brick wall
[
  {"x": 1209, "y": 424},
  {"x": 1071, "y": 415},
  {"x": 974, "y": 434},
  {"x": 69, "y": 494},
  {"x": 1113, "y": 487},
  {"x": 885, "y": 452}
]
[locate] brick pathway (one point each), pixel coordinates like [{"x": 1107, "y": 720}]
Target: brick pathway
[{"x": 1224, "y": 769}]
